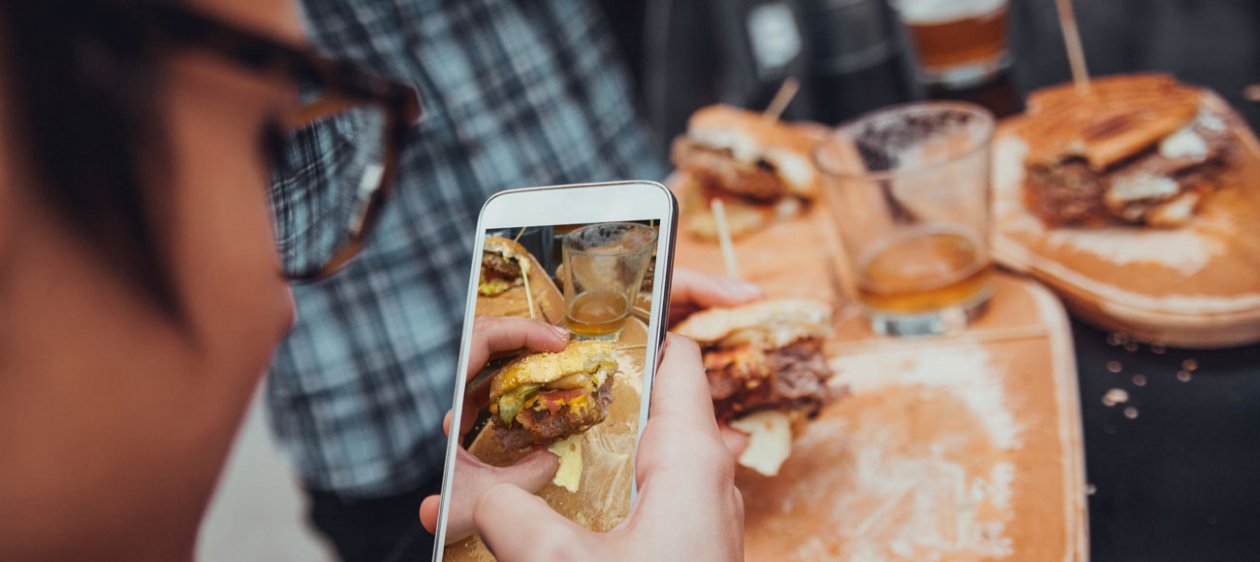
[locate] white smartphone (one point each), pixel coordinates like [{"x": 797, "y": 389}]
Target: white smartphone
[{"x": 596, "y": 260}]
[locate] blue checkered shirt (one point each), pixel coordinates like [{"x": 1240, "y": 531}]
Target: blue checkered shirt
[{"x": 516, "y": 93}]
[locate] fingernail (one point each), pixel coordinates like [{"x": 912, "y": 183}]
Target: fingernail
[
  {"x": 560, "y": 332},
  {"x": 748, "y": 290}
]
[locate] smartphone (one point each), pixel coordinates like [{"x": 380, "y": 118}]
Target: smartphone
[{"x": 595, "y": 260}]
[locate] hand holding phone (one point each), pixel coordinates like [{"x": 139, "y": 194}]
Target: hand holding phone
[
  {"x": 549, "y": 454},
  {"x": 492, "y": 336},
  {"x": 688, "y": 506}
]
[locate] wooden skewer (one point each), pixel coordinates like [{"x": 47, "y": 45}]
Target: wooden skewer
[
  {"x": 782, "y": 99},
  {"x": 1076, "y": 53},
  {"x": 529, "y": 295},
  {"x": 519, "y": 234},
  {"x": 724, "y": 238}
]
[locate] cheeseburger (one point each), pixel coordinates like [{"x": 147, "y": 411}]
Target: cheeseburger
[
  {"x": 766, "y": 370},
  {"x": 540, "y": 398},
  {"x": 761, "y": 169},
  {"x": 1134, "y": 149},
  {"x": 504, "y": 264}
]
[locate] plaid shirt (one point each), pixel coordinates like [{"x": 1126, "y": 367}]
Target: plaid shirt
[{"x": 516, "y": 93}]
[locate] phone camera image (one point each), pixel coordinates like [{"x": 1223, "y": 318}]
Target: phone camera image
[{"x": 559, "y": 417}]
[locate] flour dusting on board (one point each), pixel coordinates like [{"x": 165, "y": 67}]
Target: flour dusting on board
[
  {"x": 1186, "y": 250},
  {"x": 963, "y": 370},
  {"x": 919, "y": 490}
]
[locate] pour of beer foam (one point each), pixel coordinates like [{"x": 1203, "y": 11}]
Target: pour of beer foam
[
  {"x": 941, "y": 11},
  {"x": 1185, "y": 250},
  {"x": 923, "y": 504}
]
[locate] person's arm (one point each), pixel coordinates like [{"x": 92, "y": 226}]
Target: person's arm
[{"x": 688, "y": 507}]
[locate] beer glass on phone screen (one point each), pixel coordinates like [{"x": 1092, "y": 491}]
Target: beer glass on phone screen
[
  {"x": 603, "y": 269},
  {"x": 908, "y": 188},
  {"x": 959, "y": 43}
]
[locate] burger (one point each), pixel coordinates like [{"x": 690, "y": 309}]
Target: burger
[
  {"x": 761, "y": 169},
  {"x": 538, "y": 399},
  {"x": 504, "y": 264},
  {"x": 1135, "y": 149},
  {"x": 766, "y": 370}
]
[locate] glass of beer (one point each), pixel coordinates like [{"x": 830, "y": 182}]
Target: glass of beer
[
  {"x": 604, "y": 266},
  {"x": 959, "y": 43},
  {"x": 908, "y": 188}
]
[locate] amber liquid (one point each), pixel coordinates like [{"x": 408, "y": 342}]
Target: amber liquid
[
  {"x": 597, "y": 314},
  {"x": 925, "y": 271},
  {"x": 970, "y": 40}
]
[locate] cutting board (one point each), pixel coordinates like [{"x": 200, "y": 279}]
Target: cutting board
[
  {"x": 961, "y": 448},
  {"x": 1197, "y": 286}
]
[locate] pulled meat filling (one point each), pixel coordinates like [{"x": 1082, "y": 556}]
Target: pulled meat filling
[
  {"x": 1073, "y": 193},
  {"x": 746, "y": 379}
]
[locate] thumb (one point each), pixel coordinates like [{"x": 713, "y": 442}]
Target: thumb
[
  {"x": 473, "y": 478},
  {"x": 518, "y": 526}
]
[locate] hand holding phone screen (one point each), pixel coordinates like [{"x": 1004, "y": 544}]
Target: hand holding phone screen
[{"x": 567, "y": 302}]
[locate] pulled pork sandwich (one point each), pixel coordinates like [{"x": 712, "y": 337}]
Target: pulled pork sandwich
[
  {"x": 540, "y": 398},
  {"x": 761, "y": 169},
  {"x": 766, "y": 370},
  {"x": 504, "y": 264},
  {"x": 1136, "y": 149}
]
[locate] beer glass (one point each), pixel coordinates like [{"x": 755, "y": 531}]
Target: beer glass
[
  {"x": 959, "y": 43},
  {"x": 603, "y": 269},
  {"x": 908, "y": 188}
]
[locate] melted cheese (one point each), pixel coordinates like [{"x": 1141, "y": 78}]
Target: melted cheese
[{"x": 569, "y": 451}]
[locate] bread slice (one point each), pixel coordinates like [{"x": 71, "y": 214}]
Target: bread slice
[
  {"x": 767, "y": 324},
  {"x": 1117, "y": 118}
]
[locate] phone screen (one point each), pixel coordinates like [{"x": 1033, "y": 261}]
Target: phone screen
[{"x": 583, "y": 405}]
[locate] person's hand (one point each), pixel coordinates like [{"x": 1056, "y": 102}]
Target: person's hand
[
  {"x": 692, "y": 291},
  {"x": 688, "y": 507},
  {"x": 473, "y": 477}
]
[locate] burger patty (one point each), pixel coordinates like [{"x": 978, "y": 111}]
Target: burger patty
[
  {"x": 747, "y": 379},
  {"x": 757, "y": 181},
  {"x": 496, "y": 266},
  {"x": 1072, "y": 193},
  {"x": 1066, "y": 194},
  {"x": 542, "y": 426}
]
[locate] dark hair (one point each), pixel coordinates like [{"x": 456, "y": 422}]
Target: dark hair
[{"x": 84, "y": 92}]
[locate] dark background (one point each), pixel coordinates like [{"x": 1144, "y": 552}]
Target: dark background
[{"x": 1181, "y": 481}]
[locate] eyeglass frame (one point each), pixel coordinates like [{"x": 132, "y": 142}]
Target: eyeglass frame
[{"x": 345, "y": 85}]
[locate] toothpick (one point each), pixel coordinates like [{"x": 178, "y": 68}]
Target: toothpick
[
  {"x": 724, "y": 238},
  {"x": 631, "y": 346},
  {"x": 519, "y": 234},
  {"x": 1076, "y": 53},
  {"x": 529, "y": 295},
  {"x": 781, "y": 99}
]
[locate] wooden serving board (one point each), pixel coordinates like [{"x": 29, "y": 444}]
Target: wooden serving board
[
  {"x": 963, "y": 448},
  {"x": 1197, "y": 286}
]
